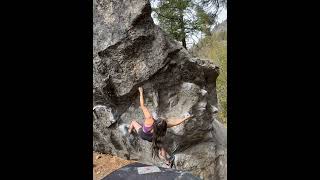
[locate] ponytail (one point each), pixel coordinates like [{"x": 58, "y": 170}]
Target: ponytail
[{"x": 159, "y": 131}]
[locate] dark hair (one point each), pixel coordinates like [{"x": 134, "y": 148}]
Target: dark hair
[{"x": 159, "y": 131}]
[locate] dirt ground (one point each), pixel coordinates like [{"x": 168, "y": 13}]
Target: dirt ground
[{"x": 104, "y": 164}]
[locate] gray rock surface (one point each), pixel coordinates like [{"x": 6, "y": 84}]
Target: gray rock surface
[
  {"x": 131, "y": 51},
  {"x": 131, "y": 172}
]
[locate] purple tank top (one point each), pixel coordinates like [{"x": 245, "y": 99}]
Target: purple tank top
[{"x": 147, "y": 129}]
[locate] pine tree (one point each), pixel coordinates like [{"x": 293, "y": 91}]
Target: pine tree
[{"x": 183, "y": 18}]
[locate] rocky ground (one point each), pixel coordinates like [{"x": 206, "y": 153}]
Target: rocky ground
[{"x": 104, "y": 164}]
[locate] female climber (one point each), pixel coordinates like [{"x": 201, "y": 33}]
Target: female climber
[{"x": 154, "y": 130}]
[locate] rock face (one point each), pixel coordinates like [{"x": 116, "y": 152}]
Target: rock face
[{"x": 131, "y": 51}]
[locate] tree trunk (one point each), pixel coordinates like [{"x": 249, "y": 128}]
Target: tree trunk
[
  {"x": 184, "y": 43},
  {"x": 183, "y": 33}
]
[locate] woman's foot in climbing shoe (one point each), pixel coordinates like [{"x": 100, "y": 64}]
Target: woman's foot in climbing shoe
[{"x": 170, "y": 161}]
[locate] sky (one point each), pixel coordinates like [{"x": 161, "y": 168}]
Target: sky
[{"x": 222, "y": 15}]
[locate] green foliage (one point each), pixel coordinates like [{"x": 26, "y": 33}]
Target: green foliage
[
  {"x": 204, "y": 20},
  {"x": 170, "y": 16},
  {"x": 183, "y": 18},
  {"x": 214, "y": 47}
]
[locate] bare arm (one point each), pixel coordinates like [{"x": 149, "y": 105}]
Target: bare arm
[
  {"x": 175, "y": 121},
  {"x": 148, "y": 118}
]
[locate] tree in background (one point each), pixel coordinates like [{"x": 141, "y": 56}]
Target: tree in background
[{"x": 181, "y": 19}]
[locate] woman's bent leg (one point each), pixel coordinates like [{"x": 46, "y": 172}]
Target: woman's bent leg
[{"x": 134, "y": 124}]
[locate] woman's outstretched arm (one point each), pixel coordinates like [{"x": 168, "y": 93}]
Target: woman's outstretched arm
[
  {"x": 175, "y": 121},
  {"x": 148, "y": 118}
]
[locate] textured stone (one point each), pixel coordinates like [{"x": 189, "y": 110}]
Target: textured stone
[{"x": 131, "y": 51}]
